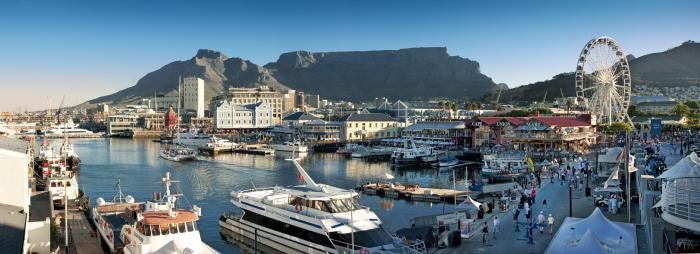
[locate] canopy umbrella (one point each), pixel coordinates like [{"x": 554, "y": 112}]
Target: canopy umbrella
[
  {"x": 388, "y": 176},
  {"x": 469, "y": 203},
  {"x": 687, "y": 167}
]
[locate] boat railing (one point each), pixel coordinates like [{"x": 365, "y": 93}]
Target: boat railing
[{"x": 402, "y": 246}]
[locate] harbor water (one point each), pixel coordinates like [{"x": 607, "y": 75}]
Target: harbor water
[{"x": 207, "y": 182}]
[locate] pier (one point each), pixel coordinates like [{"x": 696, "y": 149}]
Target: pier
[{"x": 414, "y": 192}]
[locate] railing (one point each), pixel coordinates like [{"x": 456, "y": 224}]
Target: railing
[
  {"x": 680, "y": 199},
  {"x": 415, "y": 247}
]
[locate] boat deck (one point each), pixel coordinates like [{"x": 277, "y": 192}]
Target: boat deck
[
  {"x": 414, "y": 192},
  {"x": 116, "y": 221}
]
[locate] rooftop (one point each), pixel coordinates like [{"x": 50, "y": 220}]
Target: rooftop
[
  {"x": 436, "y": 126},
  {"x": 15, "y": 145},
  {"x": 12, "y": 224},
  {"x": 368, "y": 117},
  {"x": 300, "y": 116}
]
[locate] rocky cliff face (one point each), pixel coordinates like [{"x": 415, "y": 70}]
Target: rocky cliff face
[
  {"x": 217, "y": 70},
  {"x": 415, "y": 73}
]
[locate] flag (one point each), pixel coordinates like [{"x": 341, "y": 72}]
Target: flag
[{"x": 532, "y": 164}]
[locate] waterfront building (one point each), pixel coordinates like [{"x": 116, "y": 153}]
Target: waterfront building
[
  {"x": 656, "y": 107},
  {"x": 193, "y": 95},
  {"x": 366, "y": 126},
  {"x": 230, "y": 116},
  {"x": 312, "y": 100},
  {"x": 25, "y": 220},
  {"x": 246, "y": 96},
  {"x": 444, "y": 132},
  {"x": 102, "y": 108},
  {"x": 321, "y": 131},
  {"x": 679, "y": 204},
  {"x": 297, "y": 119},
  {"x": 538, "y": 133},
  {"x": 120, "y": 123}
]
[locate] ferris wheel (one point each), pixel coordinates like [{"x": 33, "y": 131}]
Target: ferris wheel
[{"x": 603, "y": 81}]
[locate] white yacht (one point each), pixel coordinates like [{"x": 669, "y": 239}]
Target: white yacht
[
  {"x": 310, "y": 218},
  {"x": 68, "y": 129},
  {"x": 505, "y": 162},
  {"x": 191, "y": 138},
  {"x": 290, "y": 146},
  {"x": 410, "y": 153},
  {"x": 110, "y": 217},
  {"x": 163, "y": 228},
  {"x": 215, "y": 142}
]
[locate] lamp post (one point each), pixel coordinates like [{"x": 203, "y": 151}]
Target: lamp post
[{"x": 570, "y": 205}]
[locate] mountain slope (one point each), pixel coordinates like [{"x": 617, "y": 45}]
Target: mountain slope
[
  {"x": 679, "y": 66},
  {"x": 217, "y": 70},
  {"x": 408, "y": 74}
]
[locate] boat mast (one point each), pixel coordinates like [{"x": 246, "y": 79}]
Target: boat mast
[{"x": 177, "y": 117}]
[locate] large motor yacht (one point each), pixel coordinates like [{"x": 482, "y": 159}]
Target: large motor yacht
[
  {"x": 310, "y": 218},
  {"x": 504, "y": 163},
  {"x": 163, "y": 228}
]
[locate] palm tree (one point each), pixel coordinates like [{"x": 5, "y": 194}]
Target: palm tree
[
  {"x": 453, "y": 108},
  {"x": 569, "y": 103},
  {"x": 441, "y": 105},
  {"x": 478, "y": 107}
]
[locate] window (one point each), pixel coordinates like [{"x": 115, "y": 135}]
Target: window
[
  {"x": 288, "y": 229},
  {"x": 165, "y": 229},
  {"x": 173, "y": 228},
  {"x": 147, "y": 230},
  {"x": 181, "y": 227},
  {"x": 190, "y": 226},
  {"x": 366, "y": 238},
  {"x": 155, "y": 230}
]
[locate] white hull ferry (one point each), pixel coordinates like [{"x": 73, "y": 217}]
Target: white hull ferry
[
  {"x": 504, "y": 163},
  {"x": 288, "y": 146},
  {"x": 191, "y": 139},
  {"x": 162, "y": 228},
  {"x": 215, "y": 142},
  {"x": 62, "y": 184},
  {"x": 311, "y": 218},
  {"x": 177, "y": 153},
  {"x": 410, "y": 153},
  {"x": 110, "y": 217}
]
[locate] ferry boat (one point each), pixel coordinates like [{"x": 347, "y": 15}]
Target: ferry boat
[
  {"x": 410, "y": 153},
  {"x": 290, "y": 146},
  {"x": 215, "y": 142},
  {"x": 62, "y": 184},
  {"x": 110, "y": 217},
  {"x": 163, "y": 228},
  {"x": 191, "y": 139},
  {"x": 504, "y": 163},
  {"x": 174, "y": 152},
  {"x": 310, "y": 218},
  {"x": 69, "y": 155}
]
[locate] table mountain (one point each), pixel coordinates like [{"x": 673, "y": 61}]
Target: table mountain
[
  {"x": 217, "y": 70},
  {"x": 408, "y": 74},
  {"x": 679, "y": 66}
]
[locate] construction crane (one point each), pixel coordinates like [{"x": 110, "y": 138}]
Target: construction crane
[
  {"x": 545, "y": 97},
  {"x": 58, "y": 112}
]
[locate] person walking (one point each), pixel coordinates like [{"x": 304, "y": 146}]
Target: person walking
[
  {"x": 496, "y": 226},
  {"x": 540, "y": 222},
  {"x": 550, "y": 223},
  {"x": 516, "y": 214},
  {"x": 485, "y": 233},
  {"x": 544, "y": 204}
]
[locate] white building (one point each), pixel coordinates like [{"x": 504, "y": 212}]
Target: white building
[
  {"x": 193, "y": 95},
  {"x": 24, "y": 218},
  {"x": 228, "y": 116}
]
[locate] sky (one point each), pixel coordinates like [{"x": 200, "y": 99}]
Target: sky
[{"x": 86, "y": 49}]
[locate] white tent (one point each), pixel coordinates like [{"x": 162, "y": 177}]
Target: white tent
[
  {"x": 610, "y": 156},
  {"x": 613, "y": 179},
  {"x": 593, "y": 234},
  {"x": 608, "y": 189},
  {"x": 687, "y": 167},
  {"x": 469, "y": 204}
]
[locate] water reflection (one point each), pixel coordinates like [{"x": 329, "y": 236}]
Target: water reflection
[{"x": 206, "y": 183}]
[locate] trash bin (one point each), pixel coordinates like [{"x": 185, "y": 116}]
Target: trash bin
[{"x": 456, "y": 238}]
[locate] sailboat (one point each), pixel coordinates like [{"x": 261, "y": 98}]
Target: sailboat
[{"x": 176, "y": 151}]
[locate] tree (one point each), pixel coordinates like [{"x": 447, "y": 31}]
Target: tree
[
  {"x": 619, "y": 127},
  {"x": 692, "y": 104},
  {"x": 681, "y": 109},
  {"x": 632, "y": 110},
  {"x": 569, "y": 104},
  {"x": 441, "y": 105},
  {"x": 453, "y": 108},
  {"x": 544, "y": 111}
]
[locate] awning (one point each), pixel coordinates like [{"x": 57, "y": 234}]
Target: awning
[
  {"x": 687, "y": 167},
  {"x": 469, "y": 203}
]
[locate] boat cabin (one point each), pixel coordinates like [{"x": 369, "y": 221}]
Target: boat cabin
[{"x": 162, "y": 223}]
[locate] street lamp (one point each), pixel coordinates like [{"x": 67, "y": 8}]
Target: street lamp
[{"x": 570, "y": 205}]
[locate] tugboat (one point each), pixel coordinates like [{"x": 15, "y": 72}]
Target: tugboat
[
  {"x": 110, "y": 217},
  {"x": 69, "y": 155},
  {"x": 310, "y": 218},
  {"x": 62, "y": 184},
  {"x": 163, "y": 228}
]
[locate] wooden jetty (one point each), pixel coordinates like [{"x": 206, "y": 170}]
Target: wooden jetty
[{"x": 414, "y": 192}]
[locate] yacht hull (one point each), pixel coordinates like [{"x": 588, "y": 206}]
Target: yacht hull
[{"x": 247, "y": 234}]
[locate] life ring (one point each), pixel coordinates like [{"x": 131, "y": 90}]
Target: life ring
[{"x": 128, "y": 230}]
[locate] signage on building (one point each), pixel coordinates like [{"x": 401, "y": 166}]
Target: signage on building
[
  {"x": 655, "y": 127},
  {"x": 502, "y": 124},
  {"x": 476, "y": 124}
]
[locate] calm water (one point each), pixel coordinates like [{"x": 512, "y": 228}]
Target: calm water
[{"x": 206, "y": 183}]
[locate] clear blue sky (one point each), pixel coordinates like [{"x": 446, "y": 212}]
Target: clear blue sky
[{"x": 91, "y": 48}]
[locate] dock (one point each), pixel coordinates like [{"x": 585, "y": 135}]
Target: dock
[{"x": 414, "y": 192}]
